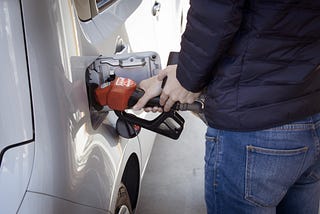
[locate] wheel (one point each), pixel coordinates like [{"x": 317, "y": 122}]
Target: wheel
[{"x": 123, "y": 205}]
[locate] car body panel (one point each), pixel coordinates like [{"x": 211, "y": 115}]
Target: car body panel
[
  {"x": 15, "y": 173},
  {"x": 16, "y": 126},
  {"x": 15, "y": 114},
  {"x": 39, "y": 203}
]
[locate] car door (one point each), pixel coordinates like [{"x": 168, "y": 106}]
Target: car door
[{"x": 16, "y": 122}]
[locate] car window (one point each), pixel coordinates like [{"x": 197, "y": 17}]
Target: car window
[
  {"x": 103, "y": 4},
  {"x": 87, "y": 9}
]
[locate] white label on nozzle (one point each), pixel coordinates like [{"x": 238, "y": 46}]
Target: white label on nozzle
[{"x": 124, "y": 82}]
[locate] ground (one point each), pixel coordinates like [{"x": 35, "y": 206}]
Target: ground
[{"x": 174, "y": 177}]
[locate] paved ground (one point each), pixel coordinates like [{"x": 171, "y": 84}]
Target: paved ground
[{"x": 173, "y": 182}]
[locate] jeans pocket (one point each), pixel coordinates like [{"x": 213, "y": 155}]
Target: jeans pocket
[
  {"x": 210, "y": 147},
  {"x": 270, "y": 173}
]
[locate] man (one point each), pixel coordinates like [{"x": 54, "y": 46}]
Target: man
[{"x": 259, "y": 62}]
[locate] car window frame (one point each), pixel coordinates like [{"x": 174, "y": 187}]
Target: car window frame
[{"x": 88, "y": 9}]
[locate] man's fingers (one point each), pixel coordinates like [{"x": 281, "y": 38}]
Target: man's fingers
[
  {"x": 168, "y": 105},
  {"x": 156, "y": 109},
  {"x": 163, "y": 99},
  {"x": 141, "y": 102},
  {"x": 161, "y": 75},
  {"x": 148, "y": 109}
]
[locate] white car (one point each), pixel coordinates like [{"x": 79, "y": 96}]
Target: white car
[{"x": 52, "y": 159}]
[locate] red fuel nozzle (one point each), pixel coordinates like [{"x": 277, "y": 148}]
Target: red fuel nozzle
[
  {"x": 122, "y": 93},
  {"x": 116, "y": 94}
]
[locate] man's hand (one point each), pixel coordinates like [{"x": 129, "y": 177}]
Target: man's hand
[
  {"x": 152, "y": 88},
  {"x": 173, "y": 91}
]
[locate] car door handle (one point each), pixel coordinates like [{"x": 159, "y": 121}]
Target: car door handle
[{"x": 156, "y": 8}]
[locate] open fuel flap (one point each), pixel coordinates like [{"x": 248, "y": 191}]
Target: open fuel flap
[{"x": 112, "y": 85}]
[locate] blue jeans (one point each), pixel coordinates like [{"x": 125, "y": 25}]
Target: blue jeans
[{"x": 270, "y": 171}]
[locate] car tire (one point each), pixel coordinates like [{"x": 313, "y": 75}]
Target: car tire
[{"x": 123, "y": 204}]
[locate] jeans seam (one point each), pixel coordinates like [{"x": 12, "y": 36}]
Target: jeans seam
[
  {"x": 213, "y": 153},
  {"x": 247, "y": 177},
  {"x": 216, "y": 169},
  {"x": 316, "y": 140},
  {"x": 276, "y": 151},
  {"x": 216, "y": 163},
  {"x": 292, "y": 127},
  {"x": 247, "y": 184}
]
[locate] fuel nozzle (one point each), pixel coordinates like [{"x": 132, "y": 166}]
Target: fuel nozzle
[{"x": 122, "y": 93}]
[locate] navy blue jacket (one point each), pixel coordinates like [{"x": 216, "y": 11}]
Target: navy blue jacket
[{"x": 258, "y": 59}]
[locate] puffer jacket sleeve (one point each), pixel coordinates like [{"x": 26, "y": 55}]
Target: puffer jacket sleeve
[{"x": 211, "y": 26}]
